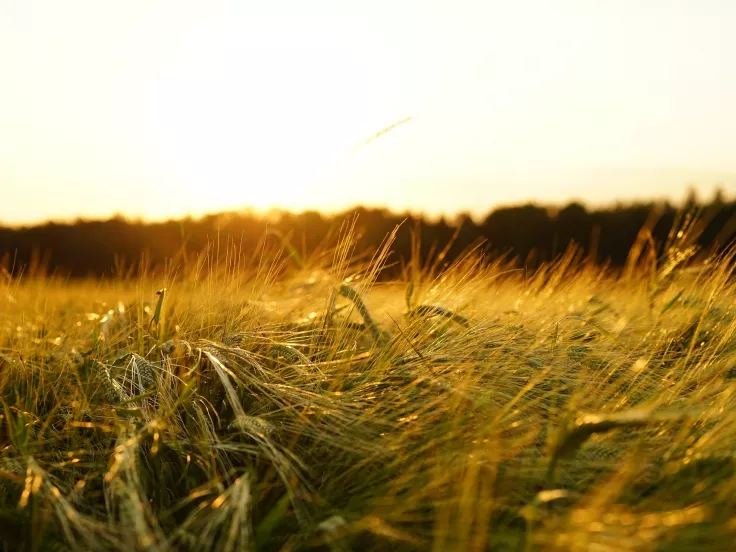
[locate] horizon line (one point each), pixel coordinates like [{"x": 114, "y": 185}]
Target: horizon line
[{"x": 336, "y": 212}]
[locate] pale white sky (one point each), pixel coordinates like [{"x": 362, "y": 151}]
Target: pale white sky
[{"x": 161, "y": 108}]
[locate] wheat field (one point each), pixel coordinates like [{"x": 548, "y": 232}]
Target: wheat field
[{"x": 269, "y": 401}]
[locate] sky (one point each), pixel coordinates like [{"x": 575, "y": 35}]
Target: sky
[{"x": 160, "y": 109}]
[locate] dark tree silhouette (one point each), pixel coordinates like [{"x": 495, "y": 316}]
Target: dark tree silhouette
[{"x": 530, "y": 233}]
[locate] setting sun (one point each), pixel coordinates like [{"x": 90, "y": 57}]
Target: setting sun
[{"x": 278, "y": 103}]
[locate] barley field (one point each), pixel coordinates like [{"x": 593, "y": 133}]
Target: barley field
[{"x": 266, "y": 401}]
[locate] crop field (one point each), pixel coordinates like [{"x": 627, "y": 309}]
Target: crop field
[{"x": 270, "y": 401}]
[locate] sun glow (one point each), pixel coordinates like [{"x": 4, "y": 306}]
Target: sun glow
[
  {"x": 259, "y": 116},
  {"x": 166, "y": 108}
]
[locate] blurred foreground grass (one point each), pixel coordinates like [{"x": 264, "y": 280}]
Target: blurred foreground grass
[{"x": 280, "y": 403}]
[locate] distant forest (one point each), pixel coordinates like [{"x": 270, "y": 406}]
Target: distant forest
[{"x": 531, "y": 234}]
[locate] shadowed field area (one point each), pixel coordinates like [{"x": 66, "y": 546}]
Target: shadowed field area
[
  {"x": 534, "y": 234},
  {"x": 283, "y": 403}
]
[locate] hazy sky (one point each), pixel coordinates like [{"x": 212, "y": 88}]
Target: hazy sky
[{"x": 157, "y": 108}]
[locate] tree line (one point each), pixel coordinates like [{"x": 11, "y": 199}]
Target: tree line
[{"x": 530, "y": 233}]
